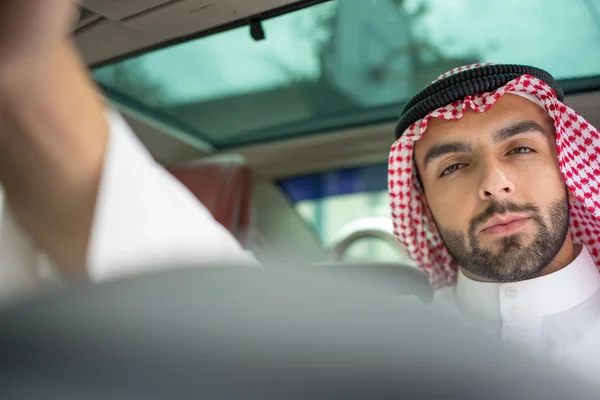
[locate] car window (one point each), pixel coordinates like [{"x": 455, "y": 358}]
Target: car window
[
  {"x": 337, "y": 203},
  {"x": 346, "y": 63}
]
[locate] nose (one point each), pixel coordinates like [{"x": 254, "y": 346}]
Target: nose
[{"x": 495, "y": 184}]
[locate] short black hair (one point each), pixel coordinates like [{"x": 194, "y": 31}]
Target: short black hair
[{"x": 418, "y": 174}]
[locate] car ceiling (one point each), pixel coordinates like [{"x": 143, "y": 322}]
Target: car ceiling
[{"x": 111, "y": 29}]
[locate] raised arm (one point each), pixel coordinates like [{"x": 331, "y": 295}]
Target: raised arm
[
  {"x": 52, "y": 129},
  {"x": 61, "y": 151}
]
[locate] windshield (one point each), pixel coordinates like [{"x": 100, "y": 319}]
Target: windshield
[
  {"x": 345, "y": 63},
  {"x": 335, "y": 203}
]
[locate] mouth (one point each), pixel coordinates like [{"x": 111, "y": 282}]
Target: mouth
[{"x": 504, "y": 225}]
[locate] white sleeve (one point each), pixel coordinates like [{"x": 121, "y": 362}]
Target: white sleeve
[
  {"x": 19, "y": 256},
  {"x": 145, "y": 219}
]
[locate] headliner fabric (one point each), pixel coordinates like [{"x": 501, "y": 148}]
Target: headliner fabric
[{"x": 578, "y": 147}]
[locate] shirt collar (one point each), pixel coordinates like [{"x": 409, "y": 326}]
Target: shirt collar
[{"x": 533, "y": 298}]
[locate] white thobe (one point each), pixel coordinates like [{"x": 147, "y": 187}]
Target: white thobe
[
  {"x": 145, "y": 219},
  {"x": 556, "y": 316}
]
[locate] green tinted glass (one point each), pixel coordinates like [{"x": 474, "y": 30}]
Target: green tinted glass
[{"x": 346, "y": 63}]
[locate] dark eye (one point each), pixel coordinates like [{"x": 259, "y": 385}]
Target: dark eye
[
  {"x": 452, "y": 169},
  {"x": 521, "y": 150}
]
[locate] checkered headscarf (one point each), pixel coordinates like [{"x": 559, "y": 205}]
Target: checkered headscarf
[{"x": 578, "y": 148}]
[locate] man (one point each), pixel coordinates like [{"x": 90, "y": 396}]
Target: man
[
  {"x": 494, "y": 191},
  {"x": 78, "y": 186}
]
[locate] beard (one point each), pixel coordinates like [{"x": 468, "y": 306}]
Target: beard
[{"x": 514, "y": 261}]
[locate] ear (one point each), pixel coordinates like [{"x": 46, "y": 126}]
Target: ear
[{"x": 427, "y": 212}]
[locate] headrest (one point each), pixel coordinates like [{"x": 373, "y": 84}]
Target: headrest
[{"x": 225, "y": 188}]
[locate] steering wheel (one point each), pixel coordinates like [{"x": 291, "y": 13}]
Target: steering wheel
[{"x": 380, "y": 228}]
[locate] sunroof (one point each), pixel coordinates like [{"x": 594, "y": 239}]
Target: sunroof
[{"x": 345, "y": 63}]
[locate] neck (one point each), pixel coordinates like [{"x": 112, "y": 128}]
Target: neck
[{"x": 565, "y": 256}]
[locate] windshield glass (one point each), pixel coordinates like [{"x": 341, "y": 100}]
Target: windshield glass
[
  {"x": 337, "y": 203},
  {"x": 346, "y": 63}
]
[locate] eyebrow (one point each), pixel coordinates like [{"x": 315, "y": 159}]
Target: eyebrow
[
  {"x": 439, "y": 150},
  {"x": 507, "y": 132},
  {"x": 518, "y": 128}
]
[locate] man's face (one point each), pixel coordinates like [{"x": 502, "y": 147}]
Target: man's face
[{"x": 494, "y": 189}]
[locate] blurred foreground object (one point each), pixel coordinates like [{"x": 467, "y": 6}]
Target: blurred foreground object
[{"x": 238, "y": 333}]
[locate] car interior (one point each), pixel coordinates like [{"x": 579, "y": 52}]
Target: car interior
[{"x": 279, "y": 115}]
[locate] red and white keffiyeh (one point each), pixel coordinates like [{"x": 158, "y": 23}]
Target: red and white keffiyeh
[{"x": 578, "y": 148}]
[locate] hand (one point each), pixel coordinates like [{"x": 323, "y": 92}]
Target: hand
[{"x": 30, "y": 28}]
